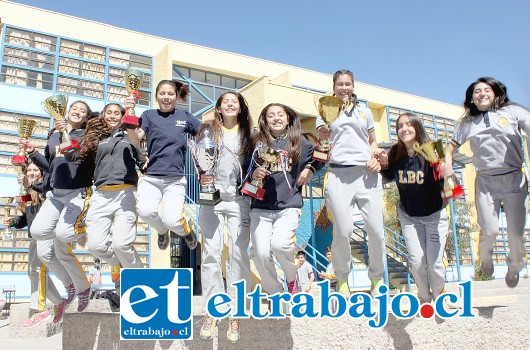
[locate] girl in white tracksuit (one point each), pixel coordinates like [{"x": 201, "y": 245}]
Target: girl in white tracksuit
[
  {"x": 232, "y": 127},
  {"x": 421, "y": 211},
  {"x": 492, "y": 124},
  {"x": 353, "y": 179},
  {"x": 61, "y": 217},
  {"x": 113, "y": 203},
  {"x": 274, "y": 219},
  {"x": 166, "y": 130}
]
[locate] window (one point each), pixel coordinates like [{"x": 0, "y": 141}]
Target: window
[
  {"x": 127, "y": 59},
  {"x": 33, "y": 59},
  {"x": 83, "y": 50},
  {"x": 29, "y": 58},
  {"x": 79, "y": 87},
  {"x": 119, "y": 93},
  {"x": 205, "y": 87},
  {"x": 30, "y": 39},
  {"x": 81, "y": 68},
  {"x": 9, "y": 137},
  {"x": 117, "y": 75},
  {"x": 26, "y": 77},
  {"x": 8, "y": 122}
]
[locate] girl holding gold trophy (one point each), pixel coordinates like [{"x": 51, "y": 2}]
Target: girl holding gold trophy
[
  {"x": 41, "y": 284},
  {"x": 353, "y": 179},
  {"x": 68, "y": 190},
  {"x": 232, "y": 127},
  {"x": 421, "y": 209},
  {"x": 492, "y": 124},
  {"x": 113, "y": 203},
  {"x": 274, "y": 219},
  {"x": 166, "y": 130}
]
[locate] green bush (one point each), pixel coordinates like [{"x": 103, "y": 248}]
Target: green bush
[{"x": 479, "y": 276}]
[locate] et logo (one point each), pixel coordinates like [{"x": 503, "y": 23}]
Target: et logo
[{"x": 156, "y": 304}]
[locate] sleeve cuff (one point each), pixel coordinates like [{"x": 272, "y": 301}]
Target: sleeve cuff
[{"x": 310, "y": 167}]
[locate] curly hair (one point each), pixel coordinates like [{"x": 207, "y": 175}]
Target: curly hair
[{"x": 96, "y": 130}]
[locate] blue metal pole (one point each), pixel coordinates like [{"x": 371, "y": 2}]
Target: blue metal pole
[
  {"x": 312, "y": 220},
  {"x": 455, "y": 239},
  {"x": 365, "y": 247},
  {"x": 471, "y": 250}
]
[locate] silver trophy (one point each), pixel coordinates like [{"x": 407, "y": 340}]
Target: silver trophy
[
  {"x": 8, "y": 233},
  {"x": 206, "y": 155}
]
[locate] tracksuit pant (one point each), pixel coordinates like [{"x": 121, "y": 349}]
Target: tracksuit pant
[
  {"x": 511, "y": 191},
  {"x": 41, "y": 284},
  {"x": 59, "y": 222},
  {"x": 273, "y": 233},
  {"x": 345, "y": 188},
  {"x": 425, "y": 237},
  {"x": 171, "y": 192},
  {"x": 112, "y": 210},
  {"x": 234, "y": 216}
]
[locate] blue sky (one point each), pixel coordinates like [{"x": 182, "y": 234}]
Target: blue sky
[{"x": 429, "y": 48}]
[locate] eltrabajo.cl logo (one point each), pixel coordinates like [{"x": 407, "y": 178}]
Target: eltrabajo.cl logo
[
  {"x": 156, "y": 304},
  {"x": 334, "y": 305}
]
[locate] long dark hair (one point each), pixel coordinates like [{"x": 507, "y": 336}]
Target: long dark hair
[
  {"x": 499, "y": 90},
  {"x": 88, "y": 111},
  {"x": 294, "y": 131},
  {"x": 244, "y": 121},
  {"x": 181, "y": 90},
  {"x": 399, "y": 151},
  {"x": 97, "y": 130}
]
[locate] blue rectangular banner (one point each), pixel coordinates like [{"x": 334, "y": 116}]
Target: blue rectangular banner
[{"x": 156, "y": 304}]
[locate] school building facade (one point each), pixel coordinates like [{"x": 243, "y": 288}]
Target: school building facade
[{"x": 43, "y": 53}]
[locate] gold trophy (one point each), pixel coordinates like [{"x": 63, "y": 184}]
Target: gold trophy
[
  {"x": 8, "y": 233},
  {"x": 329, "y": 108},
  {"x": 56, "y": 106},
  {"x": 133, "y": 81},
  {"x": 269, "y": 156},
  {"x": 26, "y": 127},
  {"x": 435, "y": 154}
]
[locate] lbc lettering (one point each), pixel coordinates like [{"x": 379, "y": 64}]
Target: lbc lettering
[{"x": 411, "y": 177}]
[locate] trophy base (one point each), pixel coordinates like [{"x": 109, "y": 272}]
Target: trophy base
[
  {"x": 69, "y": 147},
  {"x": 25, "y": 198},
  {"x": 253, "y": 191},
  {"x": 320, "y": 156},
  {"x": 209, "y": 198},
  {"x": 454, "y": 192},
  {"x": 19, "y": 160},
  {"x": 130, "y": 122}
]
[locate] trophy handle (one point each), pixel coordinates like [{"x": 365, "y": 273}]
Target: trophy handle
[
  {"x": 315, "y": 102},
  {"x": 419, "y": 150},
  {"x": 43, "y": 105},
  {"x": 192, "y": 148}
]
